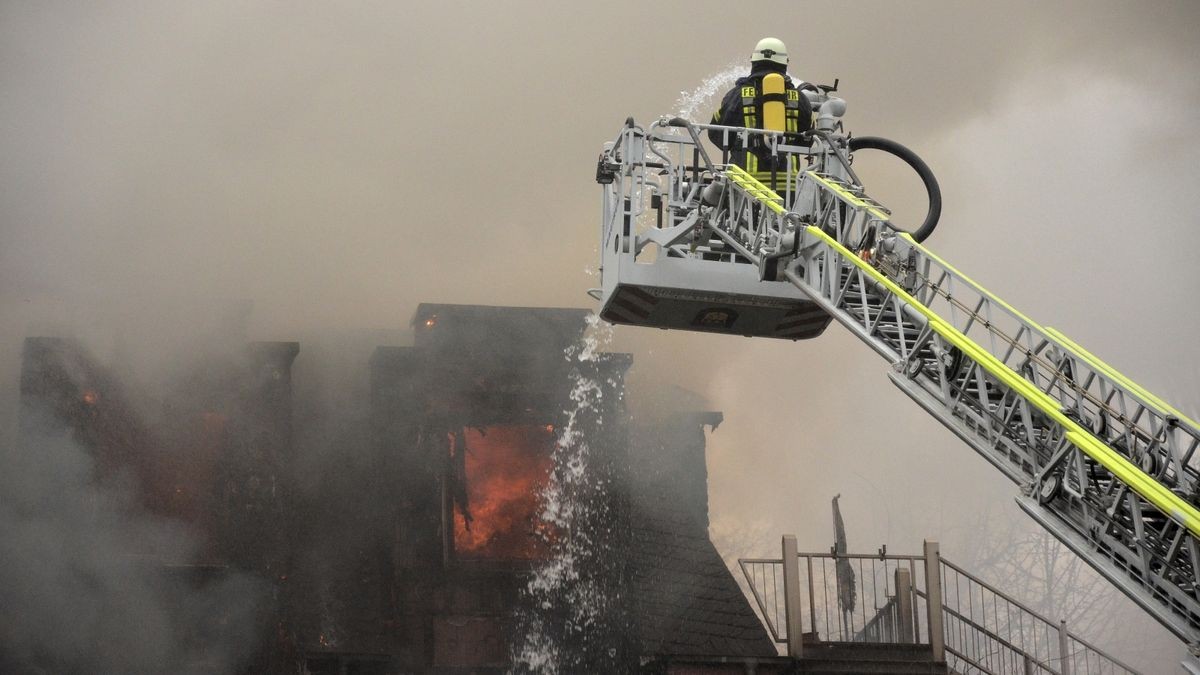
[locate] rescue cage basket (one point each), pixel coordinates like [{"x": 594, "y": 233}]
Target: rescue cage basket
[{"x": 663, "y": 264}]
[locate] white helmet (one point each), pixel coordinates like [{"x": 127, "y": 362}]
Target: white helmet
[{"x": 770, "y": 49}]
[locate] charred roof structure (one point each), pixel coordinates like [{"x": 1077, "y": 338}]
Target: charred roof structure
[{"x": 414, "y": 549}]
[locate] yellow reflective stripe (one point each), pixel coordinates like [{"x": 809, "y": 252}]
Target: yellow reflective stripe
[
  {"x": 756, "y": 189},
  {"x": 1062, "y": 340},
  {"x": 1154, "y": 492},
  {"x": 778, "y": 182},
  {"x": 850, "y": 197},
  {"x": 970, "y": 281},
  {"x": 1103, "y": 367},
  {"x": 1151, "y": 490}
]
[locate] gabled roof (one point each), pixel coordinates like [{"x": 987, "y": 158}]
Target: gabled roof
[{"x": 686, "y": 601}]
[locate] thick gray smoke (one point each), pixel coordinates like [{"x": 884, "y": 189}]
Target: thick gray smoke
[
  {"x": 76, "y": 597},
  {"x": 173, "y": 174}
]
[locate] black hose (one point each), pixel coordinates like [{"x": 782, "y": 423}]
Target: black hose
[{"x": 910, "y": 158}]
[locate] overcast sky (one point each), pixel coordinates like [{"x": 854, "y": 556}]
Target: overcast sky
[{"x": 312, "y": 171}]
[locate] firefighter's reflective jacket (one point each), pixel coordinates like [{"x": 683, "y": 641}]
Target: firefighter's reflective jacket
[{"x": 742, "y": 107}]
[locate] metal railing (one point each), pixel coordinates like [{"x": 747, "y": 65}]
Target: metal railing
[
  {"x": 884, "y": 598},
  {"x": 995, "y": 633},
  {"x": 765, "y": 580},
  {"x": 844, "y": 598},
  {"x": 655, "y": 179}
]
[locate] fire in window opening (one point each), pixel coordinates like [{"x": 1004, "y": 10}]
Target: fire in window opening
[{"x": 499, "y": 474}]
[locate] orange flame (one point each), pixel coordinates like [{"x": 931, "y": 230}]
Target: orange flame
[{"x": 506, "y": 469}]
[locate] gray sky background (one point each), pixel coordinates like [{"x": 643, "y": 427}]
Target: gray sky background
[{"x": 172, "y": 172}]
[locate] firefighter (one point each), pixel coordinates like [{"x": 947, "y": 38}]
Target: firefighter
[{"x": 743, "y": 105}]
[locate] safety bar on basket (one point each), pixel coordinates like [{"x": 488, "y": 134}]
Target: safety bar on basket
[
  {"x": 691, "y": 129},
  {"x": 629, "y": 125},
  {"x": 824, "y": 136}
]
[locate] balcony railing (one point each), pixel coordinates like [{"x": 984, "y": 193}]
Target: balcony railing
[{"x": 813, "y": 598}]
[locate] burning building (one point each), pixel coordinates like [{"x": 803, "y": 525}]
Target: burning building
[{"x": 416, "y": 546}]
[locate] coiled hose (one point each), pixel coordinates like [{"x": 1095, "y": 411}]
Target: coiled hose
[{"x": 923, "y": 171}]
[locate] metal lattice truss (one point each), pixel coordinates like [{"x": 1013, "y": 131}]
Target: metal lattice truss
[{"x": 1106, "y": 466}]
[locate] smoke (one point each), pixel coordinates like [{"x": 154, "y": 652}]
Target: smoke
[
  {"x": 178, "y": 175},
  {"x": 86, "y": 584}
]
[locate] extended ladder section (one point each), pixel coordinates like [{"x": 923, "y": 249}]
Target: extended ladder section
[{"x": 1107, "y": 467}]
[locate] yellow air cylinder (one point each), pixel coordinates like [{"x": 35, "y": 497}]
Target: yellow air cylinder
[{"x": 773, "y": 112}]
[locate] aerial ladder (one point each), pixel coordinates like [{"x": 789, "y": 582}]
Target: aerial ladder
[{"x": 692, "y": 241}]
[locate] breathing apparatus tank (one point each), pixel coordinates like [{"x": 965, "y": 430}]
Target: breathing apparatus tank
[{"x": 774, "y": 95}]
